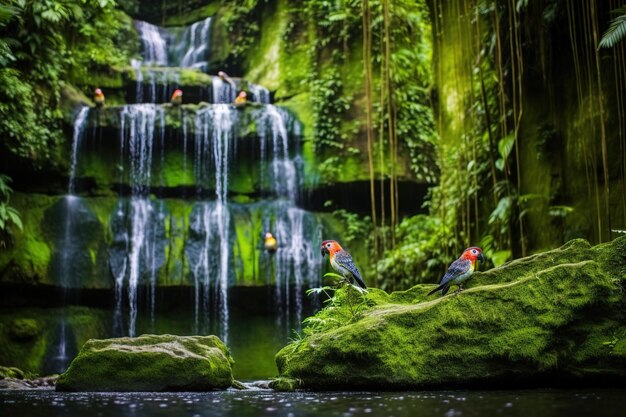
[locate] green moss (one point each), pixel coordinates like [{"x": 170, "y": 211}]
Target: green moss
[
  {"x": 266, "y": 57},
  {"x": 28, "y": 259},
  {"x": 31, "y": 354},
  {"x": 539, "y": 317},
  {"x": 285, "y": 384},
  {"x": 150, "y": 363},
  {"x": 200, "y": 13},
  {"x": 10, "y": 372},
  {"x": 24, "y": 329},
  {"x": 175, "y": 271}
]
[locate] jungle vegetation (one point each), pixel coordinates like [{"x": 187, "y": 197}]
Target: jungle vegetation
[{"x": 511, "y": 110}]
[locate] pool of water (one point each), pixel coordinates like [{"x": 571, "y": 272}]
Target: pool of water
[{"x": 262, "y": 403}]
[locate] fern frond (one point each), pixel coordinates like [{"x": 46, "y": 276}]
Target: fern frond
[
  {"x": 6, "y": 13},
  {"x": 616, "y": 31}
]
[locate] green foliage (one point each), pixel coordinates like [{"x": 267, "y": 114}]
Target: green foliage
[
  {"x": 240, "y": 18},
  {"x": 337, "y": 84},
  {"x": 9, "y": 216},
  {"x": 329, "y": 105},
  {"x": 50, "y": 43},
  {"x": 422, "y": 256},
  {"x": 356, "y": 228},
  {"x": 344, "y": 304},
  {"x": 616, "y": 30}
]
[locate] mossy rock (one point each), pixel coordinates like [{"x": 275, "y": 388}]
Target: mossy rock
[
  {"x": 150, "y": 363},
  {"x": 10, "y": 372},
  {"x": 285, "y": 384},
  {"x": 24, "y": 329},
  {"x": 555, "y": 317}
]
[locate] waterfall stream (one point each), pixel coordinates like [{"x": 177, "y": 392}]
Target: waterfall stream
[{"x": 208, "y": 139}]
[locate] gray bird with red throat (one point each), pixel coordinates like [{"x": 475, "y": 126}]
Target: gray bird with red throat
[{"x": 460, "y": 270}]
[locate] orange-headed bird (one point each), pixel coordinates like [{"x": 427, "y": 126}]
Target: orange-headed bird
[
  {"x": 177, "y": 97},
  {"x": 98, "y": 98},
  {"x": 342, "y": 262},
  {"x": 460, "y": 270}
]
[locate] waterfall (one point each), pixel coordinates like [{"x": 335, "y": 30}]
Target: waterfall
[
  {"x": 79, "y": 127},
  {"x": 208, "y": 138},
  {"x": 137, "y": 249},
  {"x": 169, "y": 48},
  {"x": 153, "y": 42},
  {"x": 259, "y": 94},
  {"x": 195, "y": 42},
  {"x": 295, "y": 229},
  {"x": 210, "y": 256},
  {"x": 186, "y": 47},
  {"x": 223, "y": 91}
]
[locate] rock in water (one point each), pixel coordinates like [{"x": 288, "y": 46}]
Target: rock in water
[
  {"x": 150, "y": 363},
  {"x": 558, "y": 317}
]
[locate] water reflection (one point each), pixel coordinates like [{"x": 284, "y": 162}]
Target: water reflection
[{"x": 545, "y": 403}]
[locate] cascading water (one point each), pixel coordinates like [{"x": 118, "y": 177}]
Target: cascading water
[
  {"x": 224, "y": 91},
  {"x": 195, "y": 44},
  {"x": 295, "y": 229},
  {"x": 79, "y": 127},
  {"x": 259, "y": 94},
  {"x": 207, "y": 140},
  {"x": 153, "y": 42},
  {"x": 165, "y": 49},
  {"x": 72, "y": 207},
  {"x": 211, "y": 220},
  {"x": 136, "y": 253}
]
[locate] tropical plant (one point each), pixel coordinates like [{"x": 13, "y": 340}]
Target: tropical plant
[
  {"x": 344, "y": 304},
  {"x": 616, "y": 30},
  {"x": 9, "y": 216}
]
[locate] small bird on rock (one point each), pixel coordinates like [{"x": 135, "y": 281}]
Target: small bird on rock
[
  {"x": 98, "y": 98},
  {"x": 460, "y": 270},
  {"x": 342, "y": 262},
  {"x": 270, "y": 243},
  {"x": 177, "y": 97}
]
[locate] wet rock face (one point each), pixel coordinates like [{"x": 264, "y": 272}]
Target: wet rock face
[
  {"x": 553, "y": 318},
  {"x": 150, "y": 363}
]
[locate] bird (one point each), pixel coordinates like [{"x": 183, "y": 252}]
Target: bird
[
  {"x": 98, "y": 98},
  {"x": 177, "y": 97},
  {"x": 270, "y": 243},
  {"x": 460, "y": 270},
  {"x": 241, "y": 98},
  {"x": 342, "y": 262}
]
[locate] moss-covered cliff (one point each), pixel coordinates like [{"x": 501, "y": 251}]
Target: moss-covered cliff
[{"x": 552, "y": 318}]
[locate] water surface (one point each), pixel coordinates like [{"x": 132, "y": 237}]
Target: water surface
[{"x": 264, "y": 403}]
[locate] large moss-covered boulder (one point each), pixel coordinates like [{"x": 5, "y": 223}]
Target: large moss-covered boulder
[
  {"x": 150, "y": 363},
  {"x": 555, "y": 317}
]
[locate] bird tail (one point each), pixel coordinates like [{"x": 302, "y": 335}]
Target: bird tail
[
  {"x": 359, "y": 281},
  {"x": 444, "y": 287}
]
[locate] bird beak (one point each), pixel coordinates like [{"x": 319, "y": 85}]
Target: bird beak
[
  {"x": 481, "y": 258},
  {"x": 324, "y": 251}
]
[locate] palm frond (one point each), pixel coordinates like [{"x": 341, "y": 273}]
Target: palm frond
[{"x": 616, "y": 31}]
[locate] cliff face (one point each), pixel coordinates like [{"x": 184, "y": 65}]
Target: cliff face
[
  {"x": 552, "y": 318},
  {"x": 529, "y": 119}
]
